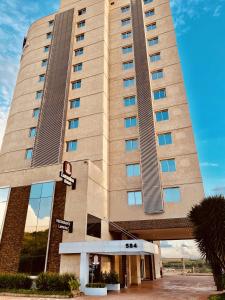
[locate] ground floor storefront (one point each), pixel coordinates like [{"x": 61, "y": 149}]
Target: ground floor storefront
[{"x": 173, "y": 287}]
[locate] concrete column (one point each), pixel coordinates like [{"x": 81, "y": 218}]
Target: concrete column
[
  {"x": 147, "y": 267},
  {"x": 84, "y": 270},
  {"x": 135, "y": 270}
]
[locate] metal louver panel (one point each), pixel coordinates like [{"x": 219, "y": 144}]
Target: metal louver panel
[
  {"x": 50, "y": 134},
  {"x": 151, "y": 185}
]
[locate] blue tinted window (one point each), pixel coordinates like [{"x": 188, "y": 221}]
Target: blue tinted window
[
  {"x": 80, "y": 37},
  {"x": 165, "y": 139},
  {"x": 151, "y": 26},
  {"x": 157, "y": 74},
  {"x": 29, "y": 153},
  {"x": 128, "y": 65},
  {"x": 4, "y": 193},
  {"x": 76, "y": 84},
  {"x": 42, "y": 78},
  {"x": 75, "y": 103},
  {"x": 134, "y": 198},
  {"x": 130, "y": 122},
  {"x": 128, "y": 82},
  {"x": 46, "y": 48},
  {"x": 168, "y": 165},
  {"x": 147, "y": 1},
  {"x": 49, "y": 35},
  {"x": 47, "y": 189},
  {"x": 36, "y": 190},
  {"x": 172, "y": 194},
  {"x": 155, "y": 57},
  {"x": 77, "y": 67},
  {"x": 126, "y": 35},
  {"x": 125, "y": 9},
  {"x": 39, "y": 95},
  {"x": 127, "y": 49},
  {"x": 51, "y": 23},
  {"x": 81, "y": 24},
  {"x": 79, "y": 51},
  {"x": 153, "y": 41},
  {"x": 73, "y": 123},
  {"x": 125, "y": 22},
  {"x": 149, "y": 13},
  {"x": 162, "y": 115},
  {"x": 71, "y": 146},
  {"x": 44, "y": 62},
  {"x": 32, "y": 132},
  {"x": 129, "y": 101},
  {"x": 131, "y": 145},
  {"x": 160, "y": 94},
  {"x": 36, "y": 112},
  {"x": 133, "y": 170}
]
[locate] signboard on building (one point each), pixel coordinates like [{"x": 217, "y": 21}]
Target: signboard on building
[
  {"x": 65, "y": 225},
  {"x": 66, "y": 175}
]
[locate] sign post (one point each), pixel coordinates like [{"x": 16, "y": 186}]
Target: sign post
[
  {"x": 66, "y": 175},
  {"x": 65, "y": 225}
]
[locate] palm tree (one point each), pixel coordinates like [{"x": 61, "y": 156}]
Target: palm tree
[{"x": 208, "y": 219}]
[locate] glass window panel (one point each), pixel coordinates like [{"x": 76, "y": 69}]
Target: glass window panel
[
  {"x": 36, "y": 190},
  {"x": 48, "y": 189},
  {"x": 4, "y": 194},
  {"x": 127, "y": 49},
  {"x": 75, "y": 103},
  {"x": 3, "y": 206},
  {"x": 138, "y": 198},
  {"x": 131, "y": 198},
  {"x": 172, "y": 195}
]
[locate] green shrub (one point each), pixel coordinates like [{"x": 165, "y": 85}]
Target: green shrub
[
  {"x": 74, "y": 284},
  {"x": 110, "y": 278},
  {"x": 54, "y": 281},
  {"x": 96, "y": 285},
  {"x": 15, "y": 281}
]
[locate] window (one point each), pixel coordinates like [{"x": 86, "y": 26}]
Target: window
[
  {"x": 128, "y": 65},
  {"x": 36, "y": 113},
  {"x": 168, "y": 165},
  {"x": 133, "y": 170},
  {"x": 129, "y": 82},
  {"x": 74, "y": 123},
  {"x": 162, "y": 115},
  {"x": 153, "y": 41},
  {"x": 129, "y": 101},
  {"x": 41, "y": 77},
  {"x": 71, "y": 146},
  {"x": 134, "y": 198},
  {"x": 127, "y": 49},
  {"x": 81, "y": 11},
  {"x": 38, "y": 220},
  {"x": 79, "y": 51},
  {"x": 126, "y": 35},
  {"x": 125, "y": 22},
  {"x": 32, "y": 132},
  {"x": 165, "y": 139},
  {"x": 130, "y": 122},
  {"x": 77, "y": 67},
  {"x": 155, "y": 57},
  {"x": 81, "y": 24},
  {"x": 29, "y": 153},
  {"x": 51, "y": 23},
  {"x": 131, "y": 145},
  {"x": 172, "y": 194},
  {"x": 80, "y": 37},
  {"x": 125, "y": 9},
  {"x": 44, "y": 63},
  {"x": 76, "y": 84},
  {"x": 75, "y": 103},
  {"x": 49, "y": 35},
  {"x": 147, "y": 1},
  {"x": 46, "y": 48},
  {"x": 150, "y": 13},
  {"x": 159, "y": 94},
  {"x": 94, "y": 226},
  {"x": 39, "y": 95},
  {"x": 4, "y": 195},
  {"x": 151, "y": 26},
  {"x": 157, "y": 74}
]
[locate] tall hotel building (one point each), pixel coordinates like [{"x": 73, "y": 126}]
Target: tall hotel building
[{"x": 99, "y": 86}]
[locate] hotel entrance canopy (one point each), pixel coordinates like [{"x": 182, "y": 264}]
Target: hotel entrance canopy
[{"x": 118, "y": 247}]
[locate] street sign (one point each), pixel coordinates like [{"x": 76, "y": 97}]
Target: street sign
[
  {"x": 65, "y": 225},
  {"x": 66, "y": 175}
]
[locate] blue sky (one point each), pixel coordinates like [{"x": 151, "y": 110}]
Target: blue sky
[{"x": 200, "y": 35}]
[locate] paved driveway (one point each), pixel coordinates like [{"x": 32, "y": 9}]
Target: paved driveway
[{"x": 170, "y": 288}]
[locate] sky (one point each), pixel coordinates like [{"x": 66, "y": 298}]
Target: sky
[{"x": 199, "y": 26}]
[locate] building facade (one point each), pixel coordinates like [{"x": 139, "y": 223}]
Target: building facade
[{"x": 100, "y": 86}]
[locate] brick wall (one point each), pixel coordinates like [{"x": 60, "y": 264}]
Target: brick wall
[{"x": 13, "y": 232}]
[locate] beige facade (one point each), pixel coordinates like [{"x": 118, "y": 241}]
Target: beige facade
[{"x": 100, "y": 160}]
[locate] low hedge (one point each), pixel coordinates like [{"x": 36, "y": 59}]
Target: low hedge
[
  {"x": 54, "y": 281},
  {"x": 15, "y": 281},
  {"x": 96, "y": 285}
]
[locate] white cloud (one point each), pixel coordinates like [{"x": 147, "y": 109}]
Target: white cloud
[
  {"x": 180, "y": 249},
  {"x": 209, "y": 164},
  {"x": 217, "y": 11}
]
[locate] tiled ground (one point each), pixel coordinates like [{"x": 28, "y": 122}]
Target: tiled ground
[{"x": 170, "y": 287}]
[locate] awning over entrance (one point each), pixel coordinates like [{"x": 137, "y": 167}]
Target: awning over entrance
[{"x": 120, "y": 247}]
